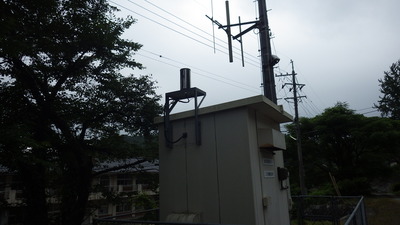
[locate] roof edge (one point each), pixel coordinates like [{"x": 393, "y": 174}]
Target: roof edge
[{"x": 258, "y": 102}]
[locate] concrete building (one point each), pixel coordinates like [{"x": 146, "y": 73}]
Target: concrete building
[
  {"x": 235, "y": 174},
  {"x": 126, "y": 183}
]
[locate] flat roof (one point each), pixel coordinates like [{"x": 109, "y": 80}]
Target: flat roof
[{"x": 259, "y": 102}]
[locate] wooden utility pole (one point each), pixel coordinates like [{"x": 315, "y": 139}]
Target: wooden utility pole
[{"x": 296, "y": 98}]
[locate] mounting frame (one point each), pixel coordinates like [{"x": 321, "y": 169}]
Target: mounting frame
[{"x": 171, "y": 99}]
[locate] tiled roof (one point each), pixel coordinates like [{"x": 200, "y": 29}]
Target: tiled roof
[
  {"x": 123, "y": 166},
  {"x": 128, "y": 165}
]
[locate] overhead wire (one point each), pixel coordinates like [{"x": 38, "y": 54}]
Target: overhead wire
[
  {"x": 212, "y": 23},
  {"x": 306, "y": 111},
  {"x": 204, "y": 74},
  {"x": 199, "y": 71},
  {"x": 197, "y": 2},
  {"x": 306, "y": 102},
  {"x": 307, "y": 107},
  {"x": 374, "y": 110},
  {"x": 205, "y": 43},
  {"x": 309, "y": 87},
  {"x": 249, "y": 61},
  {"x": 196, "y": 27},
  {"x": 363, "y": 109},
  {"x": 165, "y": 26}
]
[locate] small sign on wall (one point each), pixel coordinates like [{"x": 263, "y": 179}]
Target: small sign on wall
[
  {"x": 268, "y": 162},
  {"x": 269, "y": 173}
]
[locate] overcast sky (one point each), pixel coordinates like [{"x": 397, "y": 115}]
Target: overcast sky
[{"x": 340, "y": 48}]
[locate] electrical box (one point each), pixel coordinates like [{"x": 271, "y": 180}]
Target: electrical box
[{"x": 232, "y": 176}]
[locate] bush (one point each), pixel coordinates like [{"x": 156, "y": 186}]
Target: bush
[{"x": 325, "y": 189}]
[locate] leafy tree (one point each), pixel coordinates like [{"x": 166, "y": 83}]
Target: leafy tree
[
  {"x": 63, "y": 99},
  {"x": 351, "y": 147},
  {"x": 389, "y": 103}
]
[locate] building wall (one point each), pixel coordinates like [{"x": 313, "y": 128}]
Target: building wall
[
  {"x": 187, "y": 168},
  {"x": 11, "y": 192},
  {"x": 276, "y": 201},
  {"x": 209, "y": 179},
  {"x": 222, "y": 179}
]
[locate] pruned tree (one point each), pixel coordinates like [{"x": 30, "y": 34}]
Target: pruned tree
[
  {"x": 389, "y": 103},
  {"x": 63, "y": 98}
]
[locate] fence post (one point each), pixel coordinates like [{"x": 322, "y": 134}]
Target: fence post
[
  {"x": 363, "y": 212},
  {"x": 300, "y": 210}
]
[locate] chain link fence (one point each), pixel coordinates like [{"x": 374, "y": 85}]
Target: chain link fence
[{"x": 328, "y": 210}]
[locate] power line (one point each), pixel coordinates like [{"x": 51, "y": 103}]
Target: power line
[
  {"x": 310, "y": 87},
  {"x": 201, "y": 72},
  {"x": 251, "y": 62},
  {"x": 188, "y": 36},
  {"x": 370, "y": 112},
  {"x": 165, "y": 26},
  {"x": 197, "y": 28},
  {"x": 364, "y": 109},
  {"x": 309, "y": 104},
  {"x": 197, "y": 2}
]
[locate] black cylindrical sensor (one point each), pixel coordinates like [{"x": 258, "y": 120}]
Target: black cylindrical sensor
[{"x": 185, "y": 78}]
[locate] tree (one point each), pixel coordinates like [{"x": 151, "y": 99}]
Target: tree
[
  {"x": 389, "y": 103},
  {"x": 63, "y": 98},
  {"x": 351, "y": 147}
]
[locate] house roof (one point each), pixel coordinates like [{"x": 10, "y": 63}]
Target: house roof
[{"x": 131, "y": 165}]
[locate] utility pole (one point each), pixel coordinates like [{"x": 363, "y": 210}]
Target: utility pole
[{"x": 296, "y": 98}]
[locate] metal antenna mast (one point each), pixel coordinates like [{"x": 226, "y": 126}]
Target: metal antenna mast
[
  {"x": 267, "y": 59},
  {"x": 266, "y": 55}
]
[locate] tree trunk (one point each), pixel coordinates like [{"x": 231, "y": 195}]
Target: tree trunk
[
  {"x": 77, "y": 176},
  {"x": 34, "y": 191}
]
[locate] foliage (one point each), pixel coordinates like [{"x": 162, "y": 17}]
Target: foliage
[
  {"x": 144, "y": 202},
  {"x": 354, "y": 149},
  {"x": 323, "y": 190},
  {"x": 150, "y": 179},
  {"x": 389, "y": 103},
  {"x": 354, "y": 187},
  {"x": 396, "y": 188},
  {"x": 63, "y": 100}
]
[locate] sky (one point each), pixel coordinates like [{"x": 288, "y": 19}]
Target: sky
[{"x": 339, "y": 48}]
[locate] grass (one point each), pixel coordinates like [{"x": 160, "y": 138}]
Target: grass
[{"x": 383, "y": 210}]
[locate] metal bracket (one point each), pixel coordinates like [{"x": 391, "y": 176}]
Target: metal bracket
[{"x": 171, "y": 99}]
